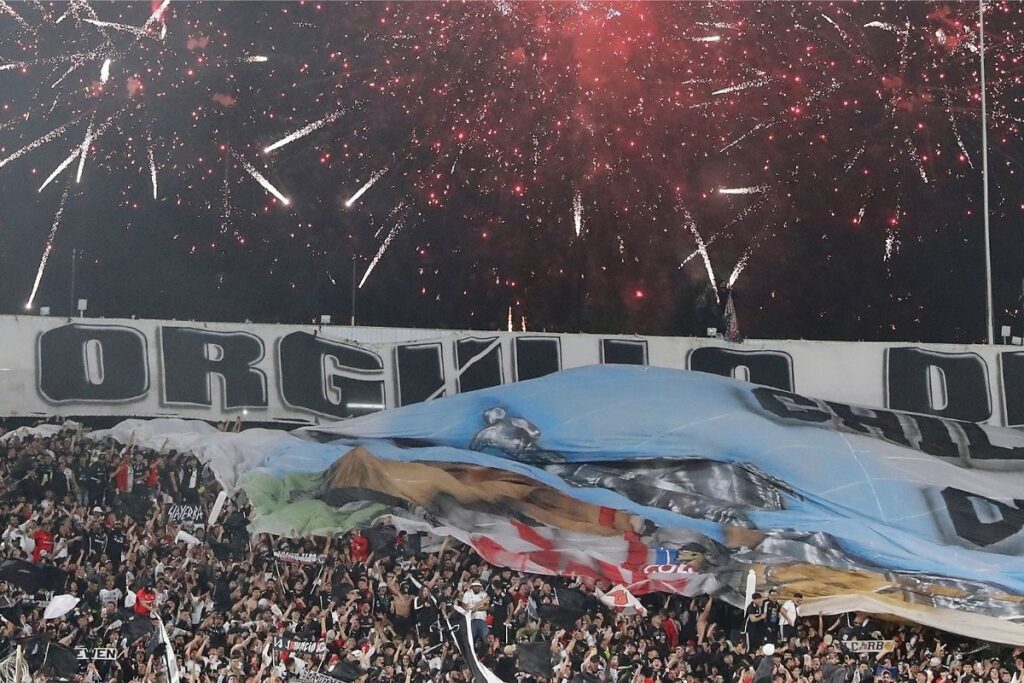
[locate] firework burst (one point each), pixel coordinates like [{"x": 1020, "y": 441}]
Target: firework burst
[{"x": 484, "y": 126}]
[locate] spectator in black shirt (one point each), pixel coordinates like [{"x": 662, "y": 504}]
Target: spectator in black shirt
[
  {"x": 772, "y": 611},
  {"x": 754, "y": 625}
]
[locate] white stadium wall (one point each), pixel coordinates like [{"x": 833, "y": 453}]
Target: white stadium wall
[{"x": 308, "y": 374}]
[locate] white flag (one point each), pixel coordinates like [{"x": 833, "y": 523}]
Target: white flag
[
  {"x": 172, "y": 660},
  {"x": 218, "y": 505},
  {"x": 59, "y": 605},
  {"x": 748, "y": 597},
  {"x": 621, "y": 600},
  {"x": 187, "y": 538}
]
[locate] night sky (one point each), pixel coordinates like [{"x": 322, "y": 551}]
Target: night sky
[{"x": 586, "y": 165}]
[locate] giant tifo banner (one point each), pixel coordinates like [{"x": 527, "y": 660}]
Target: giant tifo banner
[
  {"x": 309, "y": 374},
  {"x": 664, "y": 480}
]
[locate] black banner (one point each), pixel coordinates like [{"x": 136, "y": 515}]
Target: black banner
[
  {"x": 300, "y": 558},
  {"x": 289, "y": 643},
  {"x": 308, "y": 676},
  {"x": 185, "y": 513}
]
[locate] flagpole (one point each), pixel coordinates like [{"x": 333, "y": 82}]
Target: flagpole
[{"x": 984, "y": 175}]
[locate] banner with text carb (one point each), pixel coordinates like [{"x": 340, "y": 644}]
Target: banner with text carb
[
  {"x": 868, "y": 646},
  {"x": 310, "y": 374}
]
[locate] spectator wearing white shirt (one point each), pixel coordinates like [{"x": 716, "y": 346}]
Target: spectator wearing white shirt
[
  {"x": 788, "y": 616},
  {"x": 475, "y": 601},
  {"x": 110, "y": 593}
]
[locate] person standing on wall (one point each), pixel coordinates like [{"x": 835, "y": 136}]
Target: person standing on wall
[{"x": 788, "y": 616}]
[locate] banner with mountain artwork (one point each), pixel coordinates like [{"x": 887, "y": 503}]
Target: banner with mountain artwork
[{"x": 601, "y": 472}]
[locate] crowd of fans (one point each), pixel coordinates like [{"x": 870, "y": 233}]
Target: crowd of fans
[{"x": 373, "y": 606}]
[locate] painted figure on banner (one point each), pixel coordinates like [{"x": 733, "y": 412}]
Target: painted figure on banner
[{"x": 515, "y": 437}]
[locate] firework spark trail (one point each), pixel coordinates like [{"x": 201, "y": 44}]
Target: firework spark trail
[
  {"x": 89, "y": 138},
  {"x": 156, "y": 15},
  {"x": 7, "y": 9},
  {"x": 743, "y": 190},
  {"x": 141, "y": 32},
  {"x": 716, "y": 24},
  {"x": 810, "y": 99},
  {"x": 763, "y": 124},
  {"x": 956, "y": 134},
  {"x": 462, "y": 148},
  {"x": 48, "y": 248},
  {"x": 366, "y": 186},
  {"x": 756, "y": 83},
  {"x": 891, "y": 244},
  {"x": 304, "y": 131},
  {"x": 259, "y": 178},
  {"x": 395, "y": 229},
  {"x": 853, "y": 160},
  {"x": 67, "y": 73},
  {"x": 838, "y": 28},
  {"x": 105, "y": 70},
  {"x": 760, "y": 201},
  {"x": 84, "y": 151},
  {"x": 740, "y": 265},
  {"x": 577, "y": 212},
  {"x": 892, "y": 240},
  {"x": 57, "y": 171},
  {"x": 152, "y": 167},
  {"x": 726, "y": 229},
  {"x": 62, "y": 59},
  {"x": 708, "y": 39},
  {"x": 916, "y": 158},
  {"x": 225, "y": 215},
  {"x": 127, "y": 28},
  {"x": 703, "y": 249},
  {"x": 748, "y": 252},
  {"x": 884, "y": 26},
  {"x": 7, "y": 124},
  {"x": 73, "y": 8},
  {"x": 255, "y": 59},
  {"x": 905, "y": 48}
]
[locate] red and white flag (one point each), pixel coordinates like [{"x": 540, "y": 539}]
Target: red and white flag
[{"x": 621, "y": 600}]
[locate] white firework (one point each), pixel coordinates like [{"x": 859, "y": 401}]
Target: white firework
[{"x": 366, "y": 186}]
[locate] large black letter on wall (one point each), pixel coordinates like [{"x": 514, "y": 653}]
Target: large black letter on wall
[
  {"x": 537, "y": 356},
  {"x": 770, "y": 368},
  {"x": 962, "y": 391},
  {"x": 92, "y": 363},
  {"x": 316, "y": 375},
  {"x": 1012, "y": 371},
  {"x": 624, "y": 351},
  {"x": 192, "y": 357},
  {"x": 981, "y": 520},
  {"x": 419, "y": 370},
  {"x": 479, "y": 363}
]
